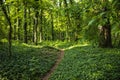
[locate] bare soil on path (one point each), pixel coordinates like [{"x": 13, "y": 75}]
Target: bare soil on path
[{"x": 47, "y": 76}]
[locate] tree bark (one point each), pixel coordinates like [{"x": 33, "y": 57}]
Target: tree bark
[{"x": 108, "y": 39}]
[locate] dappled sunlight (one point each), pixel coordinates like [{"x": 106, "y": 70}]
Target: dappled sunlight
[
  {"x": 78, "y": 45},
  {"x": 18, "y": 44},
  {"x": 63, "y": 45}
]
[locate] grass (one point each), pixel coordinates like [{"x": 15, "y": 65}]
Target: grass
[
  {"x": 27, "y": 62},
  {"x": 87, "y": 63}
]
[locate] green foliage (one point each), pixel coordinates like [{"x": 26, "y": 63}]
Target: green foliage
[
  {"x": 79, "y": 19},
  {"x": 76, "y": 21},
  {"x": 3, "y": 28},
  {"x": 87, "y": 63},
  {"x": 116, "y": 4},
  {"x": 27, "y": 62}
]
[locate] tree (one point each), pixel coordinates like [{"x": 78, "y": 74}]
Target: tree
[
  {"x": 10, "y": 25},
  {"x": 41, "y": 21},
  {"x": 25, "y": 21},
  {"x": 67, "y": 19},
  {"x": 101, "y": 15},
  {"x": 70, "y": 20}
]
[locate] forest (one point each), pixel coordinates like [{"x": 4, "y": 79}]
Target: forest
[{"x": 59, "y": 39}]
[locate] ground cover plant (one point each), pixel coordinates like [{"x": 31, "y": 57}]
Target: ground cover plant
[
  {"x": 88, "y": 63},
  {"x": 27, "y": 62}
]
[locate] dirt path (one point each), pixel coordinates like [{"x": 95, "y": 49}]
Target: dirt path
[{"x": 55, "y": 66}]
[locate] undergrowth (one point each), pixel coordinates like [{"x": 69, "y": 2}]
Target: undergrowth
[
  {"x": 27, "y": 62},
  {"x": 87, "y": 63}
]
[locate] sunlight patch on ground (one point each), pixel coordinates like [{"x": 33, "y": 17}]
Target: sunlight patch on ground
[
  {"x": 26, "y": 45},
  {"x": 78, "y": 45}
]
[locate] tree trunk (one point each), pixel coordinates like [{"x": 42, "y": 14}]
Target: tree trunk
[
  {"x": 105, "y": 36},
  {"x": 30, "y": 23},
  {"x": 67, "y": 19},
  {"x": 105, "y": 33},
  {"x": 41, "y": 25},
  {"x": 36, "y": 24},
  {"x": 15, "y": 30},
  {"x": 18, "y": 25},
  {"x": 10, "y": 27},
  {"x": 52, "y": 26},
  {"x": 33, "y": 32},
  {"x": 25, "y": 23}
]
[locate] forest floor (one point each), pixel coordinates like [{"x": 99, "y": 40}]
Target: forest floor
[
  {"x": 88, "y": 63},
  {"x": 28, "y": 62},
  {"x": 73, "y": 62},
  {"x": 47, "y": 76}
]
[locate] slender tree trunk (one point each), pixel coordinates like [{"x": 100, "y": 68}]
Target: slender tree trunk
[
  {"x": 52, "y": 26},
  {"x": 36, "y": 24},
  {"x": 78, "y": 28},
  {"x": 68, "y": 20},
  {"x": 29, "y": 25},
  {"x": 15, "y": 30},
  {"x": 25, "y": 22},
  {"x": 18, "y": 25},
  {"x": 41, "y": 25},
  {"x": 10, "y": 38},
  {"x": 33, "y": 32},
  {"x": 10, "y": 26}
]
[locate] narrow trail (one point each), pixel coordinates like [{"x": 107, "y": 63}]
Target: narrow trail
[{"x": 55, "y": 66}]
